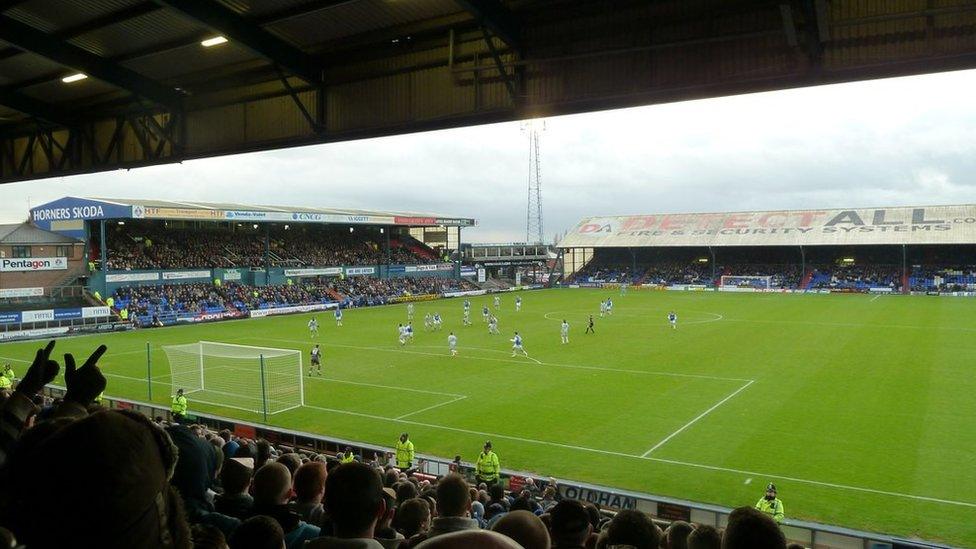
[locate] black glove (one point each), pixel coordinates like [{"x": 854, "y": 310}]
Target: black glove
[
  {"x": 85, "y": 383},
  {"x": 41, "y": 372}
]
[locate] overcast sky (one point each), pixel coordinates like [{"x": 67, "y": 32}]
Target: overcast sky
[{"x": 906, "y": 141}]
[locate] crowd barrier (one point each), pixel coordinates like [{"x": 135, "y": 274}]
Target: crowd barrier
[{"x": 809, "y": 534}]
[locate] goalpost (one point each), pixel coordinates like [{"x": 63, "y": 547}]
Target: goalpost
[
  {"x": 744, "y": 281},
  {"x": 257, "y": 379}
]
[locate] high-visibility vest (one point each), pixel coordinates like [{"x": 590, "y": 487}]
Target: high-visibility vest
[
  {"x": 404, "y": 453},
  {"x": 5, "y": 383},
  {"x": 773, "y": 508},
  {"x": 348, "y": 458},
  {"x": 487, "y": 466},
  {"x": 179, "y": 405}
]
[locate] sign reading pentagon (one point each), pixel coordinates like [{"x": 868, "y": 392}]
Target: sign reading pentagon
[{"x": 905, "y": 225}]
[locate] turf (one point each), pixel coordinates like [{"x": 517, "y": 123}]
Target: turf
[{"x": 859, "y": 408}]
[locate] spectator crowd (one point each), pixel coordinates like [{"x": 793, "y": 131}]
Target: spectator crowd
[
  {"x": 146, "y": 302},
  {"x": 77, "y": 475},
  {"x": 154, "y": 246}
]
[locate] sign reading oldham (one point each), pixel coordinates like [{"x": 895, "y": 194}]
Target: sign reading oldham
[{"x": 908, "y": 225}]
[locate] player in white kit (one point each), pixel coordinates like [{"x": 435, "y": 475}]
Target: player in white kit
[
  {"x": 517, "y": 345},
  {"x": 493, "y": 325},
  {"x": 402, "y": 334},
  {"x": 428, "y": 322},
  {"x": 452, "y": 343},
  {"x": 409, "y": 311},
  {"x": 498, "y": 302},
  {"x": 313, "y": 327},
  {"x": 603, "y": 308},
  {"x": 564, "y": 332}
]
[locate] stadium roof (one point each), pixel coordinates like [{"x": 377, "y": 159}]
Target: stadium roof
[
  {"x": 822, "y": 227},
  {"x": 90, "y": 85},
  {"x": 73, "y": 210},
  {"x": 25, "y": 234}
]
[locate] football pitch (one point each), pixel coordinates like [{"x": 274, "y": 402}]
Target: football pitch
[{"x": 860, "y": 408}]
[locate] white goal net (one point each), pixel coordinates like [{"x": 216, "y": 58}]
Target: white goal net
[
  {"x": 737, "y": 281},
  {"x": 256, "y": 379}
]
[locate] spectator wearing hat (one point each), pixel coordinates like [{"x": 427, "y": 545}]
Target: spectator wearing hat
[
  {"x": 487, "y": 468},
  {"x": 770, "y": 504}
]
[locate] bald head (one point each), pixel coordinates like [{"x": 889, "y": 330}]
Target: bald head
[
  {"x": 466, "y": 539},
  {"x": 525, "y": 528},
  {"x": 271, "y": 484}
]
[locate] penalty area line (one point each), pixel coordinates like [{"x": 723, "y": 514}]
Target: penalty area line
[
  {"x": 408, "y": 414},
  {"x": 692, "y": 422}
]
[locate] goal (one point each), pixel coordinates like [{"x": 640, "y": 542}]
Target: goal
[
  {"x": 256, "y": 379},
  {"x": 736, "y": 281}
]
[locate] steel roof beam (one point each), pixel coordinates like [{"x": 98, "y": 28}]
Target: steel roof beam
[
  {"x": 249, "y": 35},
  {"x": 497, "y": 18},
  {"x": 40, "y": 43},
  {"x": 34, "y": 108}
]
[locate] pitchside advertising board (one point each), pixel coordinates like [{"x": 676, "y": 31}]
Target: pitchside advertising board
[
  {"x": 52, "y": 315},
  {"x": 908, "y": 225}
]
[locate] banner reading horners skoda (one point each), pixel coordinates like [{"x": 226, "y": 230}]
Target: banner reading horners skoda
[{"x": 908, "y": 225}]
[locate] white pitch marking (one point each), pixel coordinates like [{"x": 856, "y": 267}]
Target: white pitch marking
[
  {"x": 692, "y": 422},
  {"x": 875, "y": 297},
  {"x": 430, "y": 408},
  {"x": 553, "y": 364},
  {"x": 658, "y": 460}
]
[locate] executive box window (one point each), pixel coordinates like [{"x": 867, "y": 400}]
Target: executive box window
[
  {"x": 62, "y": 251},
  {"x": 21, "y": 251}
]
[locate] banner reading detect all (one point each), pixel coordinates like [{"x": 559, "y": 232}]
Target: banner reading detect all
[{"x": 903, "y": 225}]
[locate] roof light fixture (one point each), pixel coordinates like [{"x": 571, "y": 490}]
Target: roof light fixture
[
  {"x": 74, "y": 77},
  {"x": 215, "y": 41}
]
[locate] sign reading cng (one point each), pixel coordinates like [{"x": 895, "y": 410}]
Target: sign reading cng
[{"x": 28, "y": 264}]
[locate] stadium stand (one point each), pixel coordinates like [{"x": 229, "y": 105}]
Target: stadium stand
[
  {"x": 161, "y": 304},
  {"x": 166, "y": 482},
  {"x": 155, "y": 246}
]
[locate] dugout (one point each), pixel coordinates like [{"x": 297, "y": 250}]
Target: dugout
[{"x": 918, "y": 248}]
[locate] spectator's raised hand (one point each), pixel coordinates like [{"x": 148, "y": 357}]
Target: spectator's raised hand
[
  {"x": 87, "y": 382},
  {"x": 42, "y": 371}
]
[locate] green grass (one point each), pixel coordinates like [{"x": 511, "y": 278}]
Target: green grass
[{"x": 859, "y": 408}]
